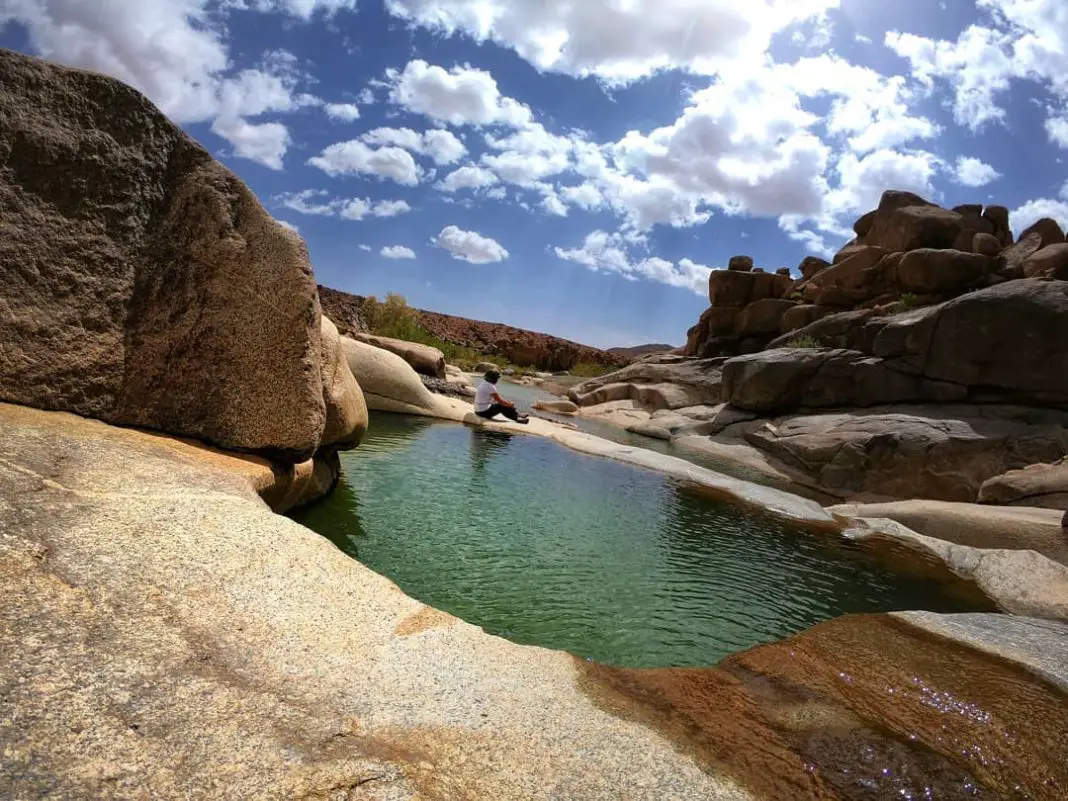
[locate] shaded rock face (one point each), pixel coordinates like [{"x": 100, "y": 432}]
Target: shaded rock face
[{"x": 142, "y": 282}]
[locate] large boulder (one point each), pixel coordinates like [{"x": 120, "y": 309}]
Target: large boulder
[
  {"x": 700, "y": 381},
  {"x": 929, "y": 272},
  {"x": 141, "y": 282},
  {"x": 738, "y": 288},
  {"x": 860, "y": 276},
  {"x": 1048, "y": 230},
  {"x": 424, "y": 359},
  {"x": 810, "y": 265},
  {"x": 1005, "y": 343},
  {"x": 1042, "y": 485},
  {"x": 1050, "y": 262},
  {"x": 741, "y": 264},
  {"x": 844, "y": 329},
  {"x": 762, "y": 317},
  {"x": 389, "y": 383},
  {"x": 801, "y": 315},
  {"x": 942, "y": 452},
  {"x": 905, "y": 221},
  {"x": 346, "y": 409},
  {"x": 998, "y": 217}
]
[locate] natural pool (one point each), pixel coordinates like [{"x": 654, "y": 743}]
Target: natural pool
[{"x": 545, "y": 546}]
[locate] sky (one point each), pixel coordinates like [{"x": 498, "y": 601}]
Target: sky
[{"x": 578, "y": 167}]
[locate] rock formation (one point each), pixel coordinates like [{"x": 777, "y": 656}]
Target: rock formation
[
  {"x": 143, "y": 284},
  {"x": 424, "y": 359}
]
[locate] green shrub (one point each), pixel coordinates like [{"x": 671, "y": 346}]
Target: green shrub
[
  {"x": 908, "y": 301},
  {"x": 588, "y": 370},
  {"x": 804, "y": 341}
]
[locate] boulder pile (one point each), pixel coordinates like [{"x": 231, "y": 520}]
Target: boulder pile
[{"x": 907, "y": 253}]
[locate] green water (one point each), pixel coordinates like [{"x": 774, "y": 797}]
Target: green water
[{"x": 545, "y": 546}]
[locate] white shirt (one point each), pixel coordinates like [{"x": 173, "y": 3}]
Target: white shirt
[{"x": 484, "y": 396}]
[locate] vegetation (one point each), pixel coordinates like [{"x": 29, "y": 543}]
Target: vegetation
[
  {"x": 804, "y": 341},
  {"x": 908, "y": 301},
  {"x": 586, "y": 370}
]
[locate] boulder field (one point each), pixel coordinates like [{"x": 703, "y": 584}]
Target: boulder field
[
  {"x": 168, "y": 382},
  {"x": 929, "y": 360}
]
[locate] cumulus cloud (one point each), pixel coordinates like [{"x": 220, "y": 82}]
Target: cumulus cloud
[
  {"x": 441, "y": 146},
  {"x": 460, "y": 96},
  {"x": 304, "y": 9},
  {"x": 342, "y": 112},
  {"x": 610, "y": 253},
  {"x": 469, "y": 246},
  {"x": 265, "y": 143},
  {"x": 617, "y": 42},
  {"x": 973, "y": 172},
  {"x": 467, "y": 177},
  {"x": 319, "y": 202},
  {"x": 397, "y": 252},
  {"x": 355, "y": 157},
  {"x": 1034, "y": 210}
]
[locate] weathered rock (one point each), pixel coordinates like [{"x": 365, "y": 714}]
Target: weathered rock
[
  {"x": 451, "y": 389},
  {"x": 344, "y": 309},
  {"x": 762, "y": 317},
  {"x": 998, "y": 217},
  {"x": 906, "y": 222},
  {"x": 557, "y": 407},
  {"x": 926, "y": 271},
  {"x": 389, "y": 383},
  {"x": 862, "y": 227},
  {"x": 1044, "y": 485},
  {"x": 832, "y": 329},
  {"x": 811, "y": 265},
  {"x": 485, "y": 367},
  {"x": 860, "y": 272},
  {"x": 734, "y": 288},
  {"x": 142, "y": 283},
  {"x": 799, "y": 316},
  {"x": 424, "y": 359},
  {"x": 782, "y": 380},
  {"x": 986, "y": 244},
  {"x": 700, "y": 379},
  {"x": 719, "y": 320},
  {"x": 742, "y": 264},
  {"x": 1048, "y": 230},
  {"x": 1005, "y": 343},
  {"x": 346, "y": 410},
  {"x": 1014, "y": 256},
  {"x": 941, "y": 452},
  {"x": 1050, "y": 262}
]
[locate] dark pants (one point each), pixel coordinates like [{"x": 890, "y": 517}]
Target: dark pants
[{"x": 497, "y": 409}]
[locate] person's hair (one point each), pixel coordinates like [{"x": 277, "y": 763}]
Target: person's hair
[{"x": 493, "y": 376}]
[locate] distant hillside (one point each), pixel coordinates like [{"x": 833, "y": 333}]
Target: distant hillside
[
  {"x": 517, "y": 345},
  {"x": 638, "y": 351}
]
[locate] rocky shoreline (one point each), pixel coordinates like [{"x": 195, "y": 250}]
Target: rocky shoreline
[{"x": 168, "y": 382}]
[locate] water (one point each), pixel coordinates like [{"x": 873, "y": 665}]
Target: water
[{"x": 546, "y": 546}]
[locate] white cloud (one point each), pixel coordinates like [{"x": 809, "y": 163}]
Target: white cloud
[
  {"x": 342, "y": 112},
  {"x": 365, "y": 248},
  {"x": 304, "y": 9},
  {"x": 551, "y": 204},
  {"x": 973, "y": 172},
  {"x": 1034, "y": 210},
  {"x": 862, "y": 181},
  {"x": 397, "y": 252},
  {"x": 467, "y": 177},
  {"x": 460, "y": 96},
  {"x": 616, "y": 41},
  {"x": 265, "y": 143},
  {"x": 585, "y": 196},
  {"x": 469, "y": 246},
  {"x": 355, "y": 157},
  {"x": 441, "y": 146},
  {"x": 604, "y": 252},
  {"x": 318, "y": 202},
  {"x": 1057, "y": 129}
]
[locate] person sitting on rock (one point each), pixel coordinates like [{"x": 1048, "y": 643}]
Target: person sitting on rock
[{"x": 488, "y": 404}]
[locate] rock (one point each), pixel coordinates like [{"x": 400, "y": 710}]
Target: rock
[
  {"x": 831, "y": 329},
  {"x": 784, "y": 271},
  {"x": 742, "y": 264},
  {"x": 998, "y": 217},
  {"x": 848, "y": 250},
  {"x": 1048, "y": 230},
  {"x": 389, "y": 383},
  {"x": 701, "y": 379},
  {"x": 811, "y": 265},
  {"x": 557, "y": 407},
  {"x": 718, "y": 320},
  {"x": 1044, "y": 485},
  {"x": 1050, "y": 262},
  {"x": 906, "y": 222},
  {"x": 929, "y": 272},
  {"x": 798, "y": 316},
  {"x": 344, "y": 309},
  {"x": 346, "y": 410},
  {"x": 972, "y": 525},
  {"x": 862, "y": 227},
  {"x": 1015, "y": 256},
  {"x": 861, "y": 275},
  {"x": 454, "y": 375},
  {"x": 762, "y": 317},
  {"x": 784, "y": 379},
  {"x": 424, "y": 359},
  {"x": 986, "y": 244},
  {"x": 1005, "y": 343},
  {"x": 942, "y": 452},
  {"x": 142, "y": 283},
  {"x": 733, "y": 288},
  {"x": 451, "y": 389},
  {"x": 485, "y": 367}
]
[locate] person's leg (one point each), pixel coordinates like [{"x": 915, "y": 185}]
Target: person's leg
[{"x": 508, "y": 411}]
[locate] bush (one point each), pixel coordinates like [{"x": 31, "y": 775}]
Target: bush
[
  {"x": 804, "y": 341},
  {"x": 588, "y": 370}
]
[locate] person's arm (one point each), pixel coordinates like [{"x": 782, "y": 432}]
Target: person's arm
[{"x": 498, "y": 399}]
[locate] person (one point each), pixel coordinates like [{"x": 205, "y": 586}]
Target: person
[{"x": 489, "y": 404}]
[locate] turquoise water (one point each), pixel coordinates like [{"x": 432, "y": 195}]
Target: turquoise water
[{"x": 545, "y": 546}]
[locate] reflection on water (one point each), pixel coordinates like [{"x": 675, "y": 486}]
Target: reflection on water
[{"x": 546, "y": 546}]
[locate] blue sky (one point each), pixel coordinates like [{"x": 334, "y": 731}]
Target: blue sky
[{"x": 578, "y": 166}]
